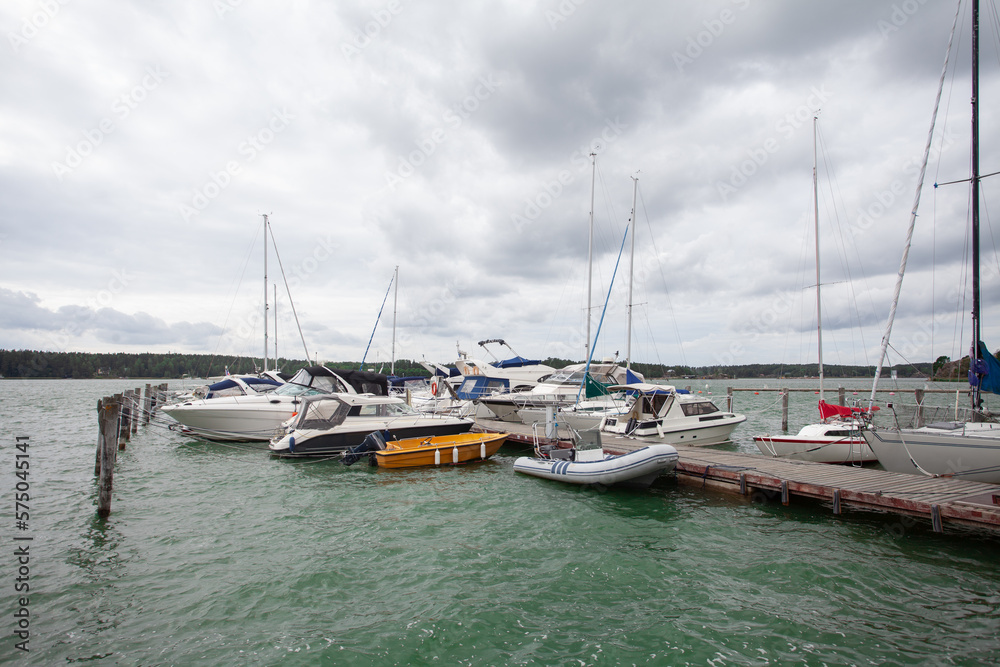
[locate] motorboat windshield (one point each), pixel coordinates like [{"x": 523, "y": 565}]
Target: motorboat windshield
[{"x": 309, "y": 382}]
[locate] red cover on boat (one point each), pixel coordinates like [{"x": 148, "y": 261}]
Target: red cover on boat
[{"x": 827, "y": 410}]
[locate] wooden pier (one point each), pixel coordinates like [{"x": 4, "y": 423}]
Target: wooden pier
[{"x": 938, "y": 499}]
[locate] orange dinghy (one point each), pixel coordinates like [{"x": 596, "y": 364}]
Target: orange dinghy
[{"x": 439, "y": 450}]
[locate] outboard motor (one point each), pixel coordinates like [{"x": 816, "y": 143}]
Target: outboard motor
[{"x": 373, "y": 442}]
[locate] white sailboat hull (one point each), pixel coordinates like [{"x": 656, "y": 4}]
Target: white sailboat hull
[
  {"x": 835, "y": 442},
  {"x": 967, "y": 451}
]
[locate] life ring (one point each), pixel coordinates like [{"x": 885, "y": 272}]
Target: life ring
[
  {"x": 475, "y": 370},
  {"x": 434, "y": 387}
]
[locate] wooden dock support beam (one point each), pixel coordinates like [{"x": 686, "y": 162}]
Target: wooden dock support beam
[
  {"x": 784, "y": 409},
  {"x": 784, "y": 492},
  {"x": 109, "y": 419},
  {"x": 836, "y": 499},
  {"x": 743, "y": 483},
  {"x": 936, "y": 519}
]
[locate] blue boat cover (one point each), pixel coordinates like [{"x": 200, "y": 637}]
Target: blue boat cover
[
  {"x": 985, "y": 373},
  {"x": 516, "y": 362}
]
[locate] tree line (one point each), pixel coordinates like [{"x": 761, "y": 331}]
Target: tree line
[{"x": 39, "y": 364}]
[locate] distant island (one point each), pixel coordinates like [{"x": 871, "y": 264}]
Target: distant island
[{"x": 41, "y": 364}]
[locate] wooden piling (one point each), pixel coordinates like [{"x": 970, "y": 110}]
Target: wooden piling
[
  {"x": 836, "y": 501},
  {"x": 147, "y": 403},
  {"x": 109, "y": 417},
  {"x": 124, "y": 428},
  {"x": 784, "y": 409},
  {"x": 136, "y": 408},
  {"x": 918, "y": 394},
  {"x": 729, "y": 399},
  {"x": 841, "y": 396}
]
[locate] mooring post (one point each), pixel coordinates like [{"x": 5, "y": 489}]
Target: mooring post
[
  {"x": 120, "y": 430},
  {"x": 836, "y": 501},
  {"x": 936, "y": 519},
  {"x": 918, "y": 394},
  {"x": 109, "y": 417},
  {"x": 136, "y": 408},
  {"x": 784, "y": 409},
  {"x": 729, "y": 399},
  {"x": 743, "y": 483},
  {"x": 100, "y": 435},
  {"x": 840, "y": 396},
  {"x": 147, "y": 403}
]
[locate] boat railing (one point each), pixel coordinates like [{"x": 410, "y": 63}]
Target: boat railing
[{"x": 909, "y": 415}]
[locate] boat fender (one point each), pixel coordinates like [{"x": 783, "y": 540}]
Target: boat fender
[
  {"x": 482, "y": 450},
  {"x": 291, "y": 444},
  {"x": 454, "y": 455},
  {"x": 437, "y": 457},
  {"x": 659, "y": 428}
]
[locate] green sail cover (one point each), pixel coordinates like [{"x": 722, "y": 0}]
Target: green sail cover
[{"x": 593, "y": 388}]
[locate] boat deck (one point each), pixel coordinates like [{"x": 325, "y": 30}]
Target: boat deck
[{"x": 938, "y": 498}]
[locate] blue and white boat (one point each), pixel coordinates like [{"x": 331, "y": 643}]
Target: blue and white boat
[{"x": 592, "y": 466}]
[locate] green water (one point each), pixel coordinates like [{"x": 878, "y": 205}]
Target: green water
[{"x": 220, "y": 555}]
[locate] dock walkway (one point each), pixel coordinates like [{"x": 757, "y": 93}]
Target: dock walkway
[{"x": 937, "y": 498}]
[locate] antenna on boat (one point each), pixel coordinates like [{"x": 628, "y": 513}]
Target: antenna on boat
[{"x": 395, "y": 298}]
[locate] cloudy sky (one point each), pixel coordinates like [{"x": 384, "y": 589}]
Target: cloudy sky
[{"x": 141, "y": 143}]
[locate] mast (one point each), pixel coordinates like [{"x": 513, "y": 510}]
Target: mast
[
  {"x": 631, "y": 267},
  {"x": 275, "y": 326},
  {"x": 395, "y": 298},
  {"x": 977, "y": 400},
  {"x": 590, "y": 247},
  {"x": 265, "y": 292},
  {"x": 819, "y": 313}
]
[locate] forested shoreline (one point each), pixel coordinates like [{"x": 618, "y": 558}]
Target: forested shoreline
[{"x": 42, "y": 364}]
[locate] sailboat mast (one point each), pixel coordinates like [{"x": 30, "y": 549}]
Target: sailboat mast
[
  {"x": 631, "y": 267},
  {"x": 265, "y": 292},
  {"x": 275, "y": 326},
  {"x": 395, "y": 299},
  {"x": 590, "y": 247},
  {"x": 819, "y": 311},
  {"x": 974, "y": 354}
]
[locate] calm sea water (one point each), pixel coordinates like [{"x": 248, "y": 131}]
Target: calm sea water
[{"x": 219, "y": 555}]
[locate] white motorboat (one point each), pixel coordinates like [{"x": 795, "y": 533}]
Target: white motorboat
[
  {"x": 334, "y": 423},
  {"x": 583, "y": 416},
  {"x": 237, "y": 385},
  {"x": 259, "y": 417},
  {"x": 592, "y": 466},
  {"x": 562, "y": 388},
  {"x": 969, "y": 447},
  {"x": 661, "y": 413}
]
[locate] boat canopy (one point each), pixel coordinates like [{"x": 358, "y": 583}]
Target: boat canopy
[
  {"x": 645, "y": 388},
  {"x": 321, "y": 412},
  {"x": 230, "y": 387},
  {"x": 517, "y": 362}
]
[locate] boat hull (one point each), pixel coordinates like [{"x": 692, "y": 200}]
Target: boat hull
[
  {"x": 441, "y": 450},
  {"x": 844, "y": 450},
  {"x": 636, "y": 469},
  {"x": 710, "y": 432},
  {"x": 244, "y": 418},
  {"x": 966, "y": 452},
  {"x": 335, "y": 441}
]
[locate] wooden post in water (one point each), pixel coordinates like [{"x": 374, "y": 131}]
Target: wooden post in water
[
  {"x": 147, "y": 403},
  {"x": 784, "y": 409},
  {"x": 109, "y": 414},
  {"x": 840, "y": 395},
  {"x": 122, "y": 421},
  {"x": 918, "y": 394},
  {"x": 729, "y": 399},
  {"x": 136, "y": 408}
]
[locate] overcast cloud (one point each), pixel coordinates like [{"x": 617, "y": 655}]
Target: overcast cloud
[{"x": 140, "y": 144}]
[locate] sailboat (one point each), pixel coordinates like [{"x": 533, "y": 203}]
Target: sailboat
[
  {"x": 968, "y": 449},
  {"x": 837, "y": 438}
]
